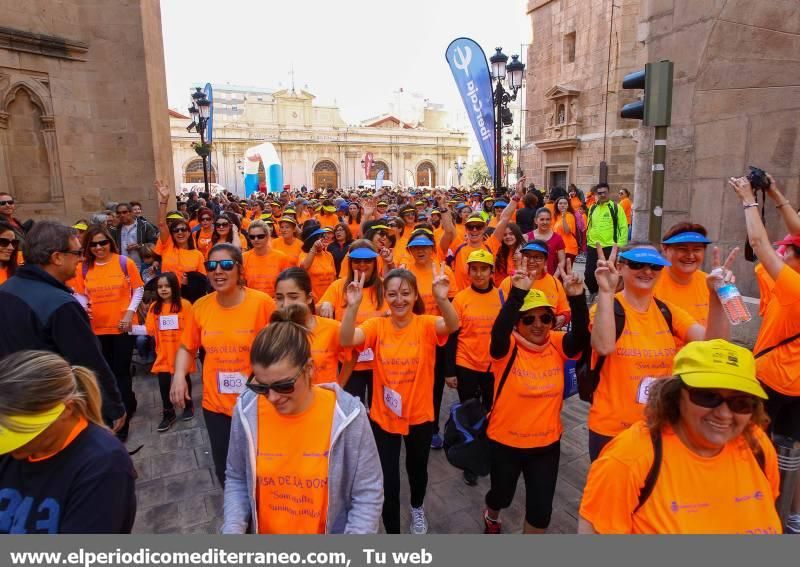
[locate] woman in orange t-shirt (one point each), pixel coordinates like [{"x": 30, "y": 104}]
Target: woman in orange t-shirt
[
  {"x": 288, "y": 243},
  {"x": 316, "y": 259},
  {"x": 353, "y": 219},
  {"x": 404, "y": 352},
  {"x": 293, "y": 287},
  {"x": 564, "y": 225},
  {"x": 9, "y": 251},
  {"x": 717, "y": 472},
  {"x": 227, "y": 228},
  {"x": 113, "y": 288},
  {"x": 302, "y": 458},
  {"x": 262, "y": 264},
  {"x": 525, "y": 428},
  {"x": 203, "y": 234},
  {"x": 224, "y": 323}
]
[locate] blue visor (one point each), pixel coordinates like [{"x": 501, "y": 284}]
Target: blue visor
[
  {"x": 318, "y": 232},
  {"x": 420, "y": 241},
  {"x": 645, "y": 256},
  {"x": 687, "y": 238},
  {"x": 500, "y": 204},
  {"x": 363, "y": 254},
  {"x": 533, "y": 247},
  {"x": 460, "y": 206}
]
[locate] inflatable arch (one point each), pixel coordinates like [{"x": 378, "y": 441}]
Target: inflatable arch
[{"x": 264, "y": 153}]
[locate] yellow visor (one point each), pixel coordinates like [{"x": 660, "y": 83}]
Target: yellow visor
[{"x": 25, "y": 428}]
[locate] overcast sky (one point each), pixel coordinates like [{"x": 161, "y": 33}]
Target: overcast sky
[{"x": 354, "y": 52}]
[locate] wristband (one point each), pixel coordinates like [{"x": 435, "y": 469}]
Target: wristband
[{"x": 749, "y": 205}]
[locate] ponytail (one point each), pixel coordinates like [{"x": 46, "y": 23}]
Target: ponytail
[{"x": 87, "y": 398}]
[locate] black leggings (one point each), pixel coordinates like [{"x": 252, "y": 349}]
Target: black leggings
[
  {"x": 418, "y": 447},
  {"x": 118, "y": 351},
  {"x": 360, "y": 385},
  {"x": 539, "y": 468},
  {"x": 218, "y": 426},
  {"x": 164, "y": 383},
  {"x": 591, "y": 266},
  {"x": 596, "y": 444},
  {"x": 438, "y": 385},
  {"x": 474, "y": 384}
]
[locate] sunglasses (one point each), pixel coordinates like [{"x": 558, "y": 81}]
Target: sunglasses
[
  {"x": 545, "y": 319},
  {"x": 710, "y": 399},
  {"x": 179, "y": 229},
  {"x": 280, "y": 387},
  {"x": 8, "y": 202},
  {"x": 474, "y": 227},
  {"x": 226, "y": 265},
  {"x": 221, "y": 224},
  {"x": 6, "y": 242},
  {"x": 205, "y": 219},
  {"x": 382, "y": 233},
  {"x": 636, "y": 266},
  {"x": 99, "y": 243},
  {"x": 257, "y": 236}
]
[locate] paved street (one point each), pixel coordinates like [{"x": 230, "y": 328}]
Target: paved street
[{"x": 178, "y": 493}]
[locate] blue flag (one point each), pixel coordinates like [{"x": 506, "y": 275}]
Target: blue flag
[{"x": 471, "y": 71}]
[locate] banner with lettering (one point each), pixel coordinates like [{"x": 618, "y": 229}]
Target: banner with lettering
[{"x": 471, "y": 72}]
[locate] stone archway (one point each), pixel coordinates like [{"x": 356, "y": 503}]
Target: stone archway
[
  {"x": 193, "y": 172},
  {"x": 377, "y": 165},
  {"x": 326, "y": 175},
  {"x": 426, "y": 174}
]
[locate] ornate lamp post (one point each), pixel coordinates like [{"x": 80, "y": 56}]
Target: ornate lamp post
[
  {"x": 503, "y": 117},
  {"x": 200, "y": 111}
]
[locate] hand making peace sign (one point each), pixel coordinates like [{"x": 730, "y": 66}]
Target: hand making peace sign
[
  {"x": 355, "y": 289},
  {"x": 440, "y": 285},
  {"x": 606, "y": 273},
  {"x": 573, "y": 282},
  {"x": 721, "y": 272}
]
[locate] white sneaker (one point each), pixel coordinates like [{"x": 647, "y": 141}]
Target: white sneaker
[
  {"x": 419, "y": 523},
  {"x": 792, "y": 524}
]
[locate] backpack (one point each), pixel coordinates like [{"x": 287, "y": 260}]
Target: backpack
[
  {"x": 658, "y": 455},
  {"x": 588, "y": 377},
  {"x": 123, "y": 264},
  {"x": 614, "y": 217}
]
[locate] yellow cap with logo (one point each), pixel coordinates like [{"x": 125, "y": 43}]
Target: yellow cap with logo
[
  {"x": 718, "y": 364},
  {"x": 535, "y": 298},
  {"x": 482, "y": 256},
  {"x": 25, "y": 427}
]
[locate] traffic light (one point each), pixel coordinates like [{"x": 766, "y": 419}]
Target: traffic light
[{"x": 655, "y": 106}]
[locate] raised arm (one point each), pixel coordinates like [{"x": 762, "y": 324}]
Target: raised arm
[
  {"x": 604, "y": 329},
  {"x": 788, "y": 213},
  {"x": 162, "y": 194},
  {"x": 756, "y": 233}
]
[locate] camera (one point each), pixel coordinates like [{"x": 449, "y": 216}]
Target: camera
[{"x": 758, "y": 179}]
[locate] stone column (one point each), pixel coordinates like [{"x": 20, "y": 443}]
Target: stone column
[
  {"x": 5, "y": 166},
  {"x": 51, "y": 145}
]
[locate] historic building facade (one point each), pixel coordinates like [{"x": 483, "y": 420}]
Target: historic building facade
[
  {"x": 316, "y": 147},
  {"x": 736, "y": 102}
]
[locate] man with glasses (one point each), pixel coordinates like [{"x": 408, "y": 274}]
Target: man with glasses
[
  {"x": 7, "y": 208},
  {"x": 606, "y": 224},
  {"x": 131, "y": 235},
  {"x": 41, "y": 312}
]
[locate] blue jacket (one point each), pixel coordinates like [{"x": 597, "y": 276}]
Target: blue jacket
[{"x": 355, "y": 478}]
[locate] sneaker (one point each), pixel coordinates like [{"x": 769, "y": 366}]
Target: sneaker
[
  {"x": 166, "y": 421},
  {"x": 793, "y": 524},
  {"x": 470, "y": 478},
  {"x": 436, "y": 441},
  {"x": 188, "y": 413},
  {"x": 419, "y": 523},
  {"x": 491, "y": 526}
]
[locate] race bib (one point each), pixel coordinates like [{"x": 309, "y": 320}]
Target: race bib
[
  {"x": 168, "y": 323},
  {"x": 230, "y": 382},
  {"x": 393, "y": 401},
  {"x": 366, "y": 355},
  {"x": 643, "y": 393}
]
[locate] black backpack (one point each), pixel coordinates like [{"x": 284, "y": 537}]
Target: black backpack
[
  {"x": 588, "y": 377},
  {"x": 614, "y": 217}
]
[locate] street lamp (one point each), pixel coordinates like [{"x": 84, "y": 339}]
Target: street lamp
[
  {"x": 200, "y": 111},
  {"x": 513, "y": 72},
  {"x": 508, "y": 152},
  {"x": 459, "y": 165}
]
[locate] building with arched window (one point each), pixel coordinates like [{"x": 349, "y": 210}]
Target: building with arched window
[{"x": 316, "y": 147}]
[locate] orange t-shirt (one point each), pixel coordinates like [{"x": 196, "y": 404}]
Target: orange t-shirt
[
  {"x": 260, "y": 272},
  {"x": 527, "y": 413},
  {"x": 109, "y": 292},
  {"x": 765, "y": 286},
  {"x": 322, "y": 272},
  {"x": 355, "y": 229},
  {"x": 692, "y": 298},
  {"x": 179, "y": 260},
  {"x": 425, "y": 285},
  {"x": 403, "y": 371},
  {"x": 724, "y": 494},
  {"x": 780, "y": 368},
  {"x": 326, "y": 350},
  {"x": 81, "y": 424},
  {"x": 477, "y": 313},
  {"x": 292, "y": 250},
  {"x": 460, "y": 237},
  {"x": 644, "y": 351},
  {"x": 203, "y": 240},
  {"x": 550, "y": 286},
  {"x": 570, "y": 242},
  {"x": 167, "y": 329},
  {"x": 3, "y": 274},
  {"x": 591, "y": 199},
  {"x": 327, "y": 220},
  {"x": 575, "y": 203},
  {"x": 226, "y": 334},
  {"x": 292, "y": 466},
  {"x": 625, "y": 205},
  {"x": 462, "y": 252}
]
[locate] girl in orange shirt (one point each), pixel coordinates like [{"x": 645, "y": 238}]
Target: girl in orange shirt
[
  {"x": 202, "y": 235},
  {"x": 114, "y": 294},
  {"x": 353, "y": 219},
  {"x": 293, "y": 287},
  {"x": 316, "y": 259},
  {"x": 262, "y": 264},
  {"x": 524, "y": 429},
  {"x": 564, "y": 225},
  {"x": 9, "y": 252},
  {"x": 404, "y": 352},
  {"x": 227, "y": 228},
  {"x": 288, "y": 243}
]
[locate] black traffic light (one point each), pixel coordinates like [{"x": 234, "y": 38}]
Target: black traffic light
[{"x": 655, "y": 106}]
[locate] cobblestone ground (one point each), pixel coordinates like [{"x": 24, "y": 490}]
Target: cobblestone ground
[{"x": 178, "y": 492}]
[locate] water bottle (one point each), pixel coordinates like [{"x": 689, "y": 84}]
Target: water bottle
[{"x": 732, "y": 302}]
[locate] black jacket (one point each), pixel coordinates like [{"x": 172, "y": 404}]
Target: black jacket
[
  {"x": 40, "y": 313},
  {"x": 146, "y": 233}
]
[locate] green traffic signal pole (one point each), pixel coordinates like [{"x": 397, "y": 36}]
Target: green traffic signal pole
[{"x": 657, "y": 185}]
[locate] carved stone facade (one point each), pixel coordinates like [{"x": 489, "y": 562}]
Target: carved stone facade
[{"x": 75, "y": 130}]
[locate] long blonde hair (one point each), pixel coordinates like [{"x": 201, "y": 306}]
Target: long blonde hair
[{"x": 33, "y": 381}]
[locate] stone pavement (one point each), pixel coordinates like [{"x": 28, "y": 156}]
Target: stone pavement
[{"x": 178, "y": 493}]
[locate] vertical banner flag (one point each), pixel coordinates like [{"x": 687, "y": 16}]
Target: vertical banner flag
[
  {"x": 471, "y": 71},
  {"x": 379, "y": 179},
  {"x": 210, "y": 122},
  {"x": 367, "y": 164}
]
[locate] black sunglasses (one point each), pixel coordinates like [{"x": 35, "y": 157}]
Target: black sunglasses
[
  {"x": 179, "y": 229},
  {"x": 258, "y": 236},
  {"x": 710, "y": 399},
  {"x": 8, "y": 202},
  {"x": 473, "y": 227},
  {"x": 280, "y": 387},
  {"x": 99, "y": 243},
  {"x": 205, "y": 219},
  {"x": 6, "y": 242},
  {"x": 221, "y": 224},
  {"x": 642, "y": 265},
  {"x": 545, "y": 319},
  {"x": 226, "y": 265}
]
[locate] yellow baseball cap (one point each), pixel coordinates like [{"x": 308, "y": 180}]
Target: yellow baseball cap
[
  {"x": 718, "y": 364},
  {"x": 175, "y": 216},
  {"x": 266, "y": 216},
  {"x": 482, "y": 256},
  {"x": 80, "y": 226},
  {"x": 535, "y": 298},
  {"x": 26, "y": 427}
]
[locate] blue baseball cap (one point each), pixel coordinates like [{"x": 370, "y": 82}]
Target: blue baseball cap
[
  {"x": 687, "y": 238},
  {"x": 645, "y": 256},
  {"x": 363, "y": 254},
  {"x": 500, "y": 204},
  {"x": 533, "y": 247},
  {"x": 420, "y": 241}
]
